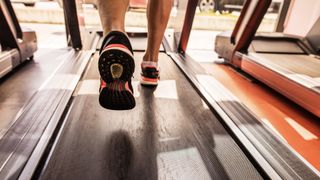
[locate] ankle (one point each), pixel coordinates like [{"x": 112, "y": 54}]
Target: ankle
[
  {"x": 149, "y": 64},
  {"x": 148, "y": 58},
  {"x": 116, "y": 37}
]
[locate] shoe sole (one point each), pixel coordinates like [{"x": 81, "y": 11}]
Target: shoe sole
[
  {"x": 116, "y": 64},
  {"x": 148, "y": 83},
  {"x": 116, "y": 67},
  {"x": 113, "y": 99}
]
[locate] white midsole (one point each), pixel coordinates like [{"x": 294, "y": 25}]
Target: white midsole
[{"x": 148, "y": 83}]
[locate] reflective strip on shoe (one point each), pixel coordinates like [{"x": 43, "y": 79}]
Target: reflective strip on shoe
[{"x": 118, "y": 47}]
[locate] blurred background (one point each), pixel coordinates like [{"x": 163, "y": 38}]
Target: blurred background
[{"x": 215, "y": 15}]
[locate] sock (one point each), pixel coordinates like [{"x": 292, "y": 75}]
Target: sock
[{"x": 150, "y": 64}]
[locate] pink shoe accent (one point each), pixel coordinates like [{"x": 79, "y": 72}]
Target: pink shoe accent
[
  {"x": 103, "y": 84},
  {"x": 116, "y": 45},
  {"x": 149, "y": 79},
  {"x": 127, "y": 87}
]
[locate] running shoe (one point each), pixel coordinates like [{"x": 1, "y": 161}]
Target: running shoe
[
  {"x": 116, "y": 67},
  {"x": 149, "y": 73}
]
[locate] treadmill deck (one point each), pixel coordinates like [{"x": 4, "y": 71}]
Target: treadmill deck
[
  {"x": 302, "y": 68},
  {"x": 170, "y": 134},
  {"x": 295, "y": 76}
]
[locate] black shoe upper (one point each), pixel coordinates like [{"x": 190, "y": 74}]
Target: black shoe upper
[
  {"x": 150, "y": 72},
  {"x": 116, "y": 37}
]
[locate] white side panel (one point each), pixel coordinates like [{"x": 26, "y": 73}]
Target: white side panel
[
  {"x": 302, "y": 16},
  {"x": 5, "y": 63}
]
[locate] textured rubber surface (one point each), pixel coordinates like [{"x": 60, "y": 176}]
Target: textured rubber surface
[
  {"x": 116, "y": 97},
  {"x": 116, "y": 67},
  {"x": 115, "y": 56}
]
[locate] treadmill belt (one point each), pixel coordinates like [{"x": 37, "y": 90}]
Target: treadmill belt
[
  {"x": 276, "y": 46},
  {"x": 170, "y": 134},
  {"x": 293, "y": 64}
]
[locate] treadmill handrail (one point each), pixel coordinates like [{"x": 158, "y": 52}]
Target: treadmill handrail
[
  {"x": 250, "y": 28},
  {"x": 14, "y": 19},
  {"x": 187, "y": 25},
  {"x": 7, "y": 36},
  {"x": 239, "y": 21},
  {"x": 72, "y": 24}
]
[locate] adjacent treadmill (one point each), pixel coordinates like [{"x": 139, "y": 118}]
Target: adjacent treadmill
[
  {"x": 18, "y": 44},
  {"x": 288, "y": 64},
  {"x": 189, "y": 127}
]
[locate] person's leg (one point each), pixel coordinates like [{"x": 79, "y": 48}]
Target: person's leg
[
  {"x": 158, "y": 14},
  {"x": 112, "y": 14},
  {"x": 116, "y": 63}
]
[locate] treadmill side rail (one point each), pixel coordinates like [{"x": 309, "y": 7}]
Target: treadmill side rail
[
  {"x": 28, "y": 45},
  {"x": 39, "y": 118},
  {"x": 299, "y": 88},
  {"x": 5, "y": 63},
  {"x": 274, "y": 157},
  {"x": 223, "y": 47}
]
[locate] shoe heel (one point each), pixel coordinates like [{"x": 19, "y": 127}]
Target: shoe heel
[{"x": 116, "y": 97}]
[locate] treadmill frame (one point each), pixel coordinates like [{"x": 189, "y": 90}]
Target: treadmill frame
[
  {"x": 271, "y": 156},
  {"x": 12, "y": 36},
  {"x": 236, "y": 53},
  {"x": 274, "y": 158}
]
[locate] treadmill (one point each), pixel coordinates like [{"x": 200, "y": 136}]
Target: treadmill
[
  {"x": 288, "y": 64},
  {"x": 190, "y": 126},
  {"x": 18, "y": 44}
]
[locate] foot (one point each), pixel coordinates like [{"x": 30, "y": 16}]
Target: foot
[
  {"x": 149, "y": 73},
  {"x": 116, "y": 67}
]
